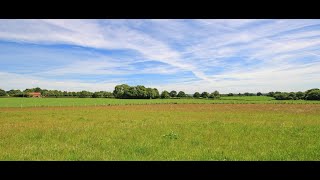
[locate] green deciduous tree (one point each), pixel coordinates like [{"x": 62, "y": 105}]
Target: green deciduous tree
[
  {"x": 270, "y": 94},
  {"x": 181, "y": 94},
  {"x": 37, "y": 89},
  {"x": 215, "y": 95},
  {"x": 165, "y": 95},
  {"x": 84, "y": 94},
  {"x": 173, "y": 93},
  {"x": 205, "y": 95},
  {"x": 196, "y": 95},
  {"x": 2, "y": 92},
  {"x": 300, "y": 95},
  {"x": 313, "y": 94},
  {"x": 125, "y": 91},
  {"x": 119, "y": 90}
]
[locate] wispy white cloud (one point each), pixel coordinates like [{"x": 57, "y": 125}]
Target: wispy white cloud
[
  {"x": 16, "y": 81},
  {"x": 226, "y": 54}
]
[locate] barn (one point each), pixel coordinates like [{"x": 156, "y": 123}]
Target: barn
[{"x": 35, "y": 94}]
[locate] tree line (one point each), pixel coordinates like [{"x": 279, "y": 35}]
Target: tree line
[
  {"x": 125, "y": 91},
  {"x": 56, "y": 93},
  {"x": 311, "y": 94}
]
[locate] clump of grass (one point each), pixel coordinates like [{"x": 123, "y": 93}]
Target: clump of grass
[{"x": 171, "y": 135}]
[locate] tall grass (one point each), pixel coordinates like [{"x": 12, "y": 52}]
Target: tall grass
[
  {"x": 44, "y": 102},
  {"x": 162, "y": 132}
]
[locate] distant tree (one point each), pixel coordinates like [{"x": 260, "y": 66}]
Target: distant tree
[
  {"x": 215, "y": 95},
  {"x": 11, "y": 92},
  {"x": 313, "y": 95},
  {"x": 131, "y": 93},
  {"x": 205, "y": 95},
  {"x": 246, "y": 94},
  {"x": 99, "y": 94},
  {"x": 239, "y": 94},
  {"x": 134, "y": 92},
  {"x": 281, "y": 96},
  {"x": 230, "y": 94},
  {"x": 28, "y": 90},
  {"x": 196, "y": 95},
  {"x": 259, "y": 94},
  {"x": 300, "y": 95},
  {"x": 308, "y": 91},
  {"x": 152, "y": 93},
  {"x": 37, "y": 89},
  {"x": 181, "y": 94},
  {"x": 119, "y": 90},
  {"x": 149, "y": 92},
  {"x": 155, "y": 93},
  {"x": 165, "y": 95},
  {"x": 65, "y": 93},
  {"x": 14, "y": 93},
  {"x": 292, "y": 96},
  {"x": 173, "y": 93},
  {"x": 84, "y": 94},
  {"x": 2, "y": 92},
  {"x": 270, "y": 94},
  {"x": 108, "y": 95},
  {"x": 141, "y": 92},
  {"x": 45, "y": 93},
  {"x": 277, "y": 92}
]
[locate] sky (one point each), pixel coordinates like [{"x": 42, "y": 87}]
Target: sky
[{"x": 228, "y": 55}]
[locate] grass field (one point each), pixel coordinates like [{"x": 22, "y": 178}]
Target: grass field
[
  {"x": 45, "y": 102},
  {"x": 161, "y": 132}
]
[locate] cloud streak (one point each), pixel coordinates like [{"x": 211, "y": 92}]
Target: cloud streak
[{"x": 237, "y": 55}]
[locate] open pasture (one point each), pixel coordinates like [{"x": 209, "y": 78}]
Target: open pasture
[{"x": 162, "y": 132}]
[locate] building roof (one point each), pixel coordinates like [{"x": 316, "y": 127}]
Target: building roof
[{"x": 35, "y": 93}]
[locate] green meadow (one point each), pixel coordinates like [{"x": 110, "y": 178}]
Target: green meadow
[
  {"x": 159, "y": 131},
  {"x": 45, "y": 102}
]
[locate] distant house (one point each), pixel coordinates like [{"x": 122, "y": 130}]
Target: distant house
[{"x": 35, "y": 94}]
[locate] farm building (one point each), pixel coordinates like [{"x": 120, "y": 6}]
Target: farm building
[{"x": 35, "y": 94}]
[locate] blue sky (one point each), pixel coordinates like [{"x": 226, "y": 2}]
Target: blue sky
[{"x": 191, "y": 55}]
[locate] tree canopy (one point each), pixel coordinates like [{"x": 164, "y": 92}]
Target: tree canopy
[
  {"x": 2, "y": 92},
  {"x": 205, "y": 95},
  {"x": 196, "y": 95},
  {"x": 165, "y": 95},
  {"x": 181, "y": 94},
  {"x": 125, "y": 91},
  {"x": 173, "y": 93}
]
